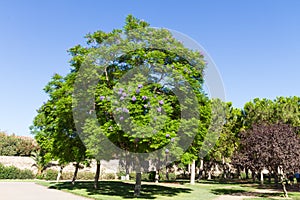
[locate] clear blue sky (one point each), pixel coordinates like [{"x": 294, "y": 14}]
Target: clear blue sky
[{"x": 255, "y": 44}]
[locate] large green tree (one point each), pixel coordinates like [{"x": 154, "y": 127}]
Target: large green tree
[
  {"x": 54, "y": 128},
  {"x": 142, "y": 89},
  {"x": 137, "y": 88}
]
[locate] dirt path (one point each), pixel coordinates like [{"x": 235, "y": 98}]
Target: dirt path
[
  {"x": 32, "y": 191},
  {"x": 230, "y": 197},
  {"x": 241, "y": 196}
]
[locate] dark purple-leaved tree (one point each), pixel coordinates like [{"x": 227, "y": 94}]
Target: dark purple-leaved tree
[{"x": 269, "y": 146}]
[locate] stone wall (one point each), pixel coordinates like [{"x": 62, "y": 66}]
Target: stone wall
[
  {"x": 19, "y": 162},
  {"x": 111, "y": 166}
]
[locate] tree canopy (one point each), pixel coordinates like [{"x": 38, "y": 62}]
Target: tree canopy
[{"x": 269, "y": 146}]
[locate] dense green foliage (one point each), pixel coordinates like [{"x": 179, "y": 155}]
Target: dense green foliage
[
  {"x": 12, "y": 172},
  {"x": 12, "y": 145},
  {"x": 54, "y": 128},
  {"x": 141, "y": 113},
  {"x": 149, "y": 95}
]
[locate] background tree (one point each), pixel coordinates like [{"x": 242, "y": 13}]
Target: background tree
[
  {"x": 269, "y": 146},
  {"x": 228, "y": 140},
  {"x": 12, "y": 145},
  {"x": 282, "y": 109}
]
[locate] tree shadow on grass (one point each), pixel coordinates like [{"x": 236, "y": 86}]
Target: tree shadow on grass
[
  {"x": 122, "y": 189},
  {"x": 240, "y": 192}
]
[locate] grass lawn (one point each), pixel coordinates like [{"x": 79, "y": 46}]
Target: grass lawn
[
  {"x": 124, "y": 190},
  {"x": 179, "y": 190},
  {"x": 17, "y": 180}
]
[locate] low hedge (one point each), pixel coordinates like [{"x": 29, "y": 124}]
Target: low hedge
[
  {"x": 12, "y": 172},
  {"x": 51, "y": 174}
]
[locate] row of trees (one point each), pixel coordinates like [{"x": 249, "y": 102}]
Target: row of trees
[{"x": 159, "y": 107}]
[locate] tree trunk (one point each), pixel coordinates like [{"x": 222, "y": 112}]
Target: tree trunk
[
  {"x": 167, "y": 173},
  {"x": 247, "y": 173},
  {"x": 75, "y": 173},
  {"x": 127, "y": 174},
  {"x": 276, "y": 177},
  {"x": 224, "y": 168},
  {"x": 239, "y": 172},
  {"x": 253, "y": 175},
  {"x": 209, "y": 175},
  {"x": 261, "y": 177},
  {"x": 127, "y": 177},
  {"x": 156, "y": 176},
  {"x": 97, "y": 175},
  {"x": 280, "y": 174},
  {"x": 138, "y": 183},
  {"x": 59, "y": 174},
  {"x": 193, "y": 171},
  {"x": 284, "y": 189},
  {"x": 189, "y": 168},
  {"x": 200, "y": 170}
]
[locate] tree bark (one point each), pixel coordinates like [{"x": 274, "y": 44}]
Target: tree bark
[
  {"x": 209, "y": 175},
  {"x": 261, "y": 177},
  {"x": 247, "y": 173},
  {"x": 200, "y": 170},
  {"x": 75, "y": 173},
  {"x": 284, "y": 190},
  {"x": 224, "y": 168},
  {"x": 127, "y": 168},
  {"x": 167, "y": 173},
  {"x": 97, "y": 175},
  {"x": 156, "y": 176},
  {"x": 253, "y": 173},
  {"x": 59, "y": 173},
  {"x": 127, "y": 174},
  {"x": 193, "y": 171},
  {"x": 239, "y": 172},
  {"x": 276, "y": 178},
  {"x": 138, "y": 183}
]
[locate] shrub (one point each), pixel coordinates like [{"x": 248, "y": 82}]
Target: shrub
[
  {"x": 109, "y": 176},
  {"x": 86, "y": 176},
  {"x": 12, "y": 172},
  {"x": 162, "y": 176},
  {"x": 120, "y": 174},
  {"x": 132, "y": 175},
  {"x": 172, "y": 176},
  {"x": 152, "y": 176},
  {"x": 26, "y": 174},
  {"x": 80, "y": 175},
  {"x": 243, "y": 175},
  {"x": 48, "y": 175},
  {"x": 145, "y": 176}
]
